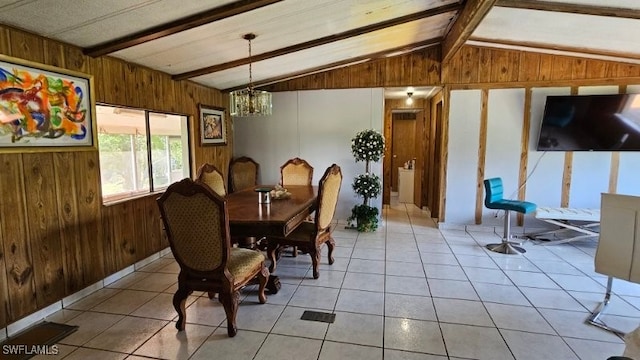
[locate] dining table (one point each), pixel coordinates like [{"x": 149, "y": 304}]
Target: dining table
[{"x": 251, "y": 218}]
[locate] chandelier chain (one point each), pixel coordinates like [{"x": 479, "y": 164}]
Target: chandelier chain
[{"x": 250, "y": 75}]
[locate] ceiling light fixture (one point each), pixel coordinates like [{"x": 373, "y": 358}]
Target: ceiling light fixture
[
  {"x": 409, "y": 98},
  {"x": 250, "y": 102}
]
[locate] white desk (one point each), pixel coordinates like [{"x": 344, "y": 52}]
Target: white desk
[{"x": 405, "y": 185}]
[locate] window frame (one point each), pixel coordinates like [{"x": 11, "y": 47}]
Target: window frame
[{"x": 132, "y": 195}]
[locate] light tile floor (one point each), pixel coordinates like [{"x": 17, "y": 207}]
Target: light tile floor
[{"x": 407, "y": 291}]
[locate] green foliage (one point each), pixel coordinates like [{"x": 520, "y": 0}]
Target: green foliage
[
  {"x": 367, "y": 145},
  {"x": 365, "y": 216},
  {"x": 367, "y": 185}
]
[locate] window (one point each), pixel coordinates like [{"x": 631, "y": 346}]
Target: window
[{"x": 140, "y": 151}]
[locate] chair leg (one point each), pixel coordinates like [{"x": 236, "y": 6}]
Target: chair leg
[
  {"x": 272, "y": 249},
  {"x": 263, "y": 277},
  {"x": 179, "y": 299},
  {"x": 230, "y": 304},
  {"x": 315, "y": 260},
  {"x": 331, "y": 244},
  {"x": 506, "y": 246},
  {"x": 593, "y": 319}
]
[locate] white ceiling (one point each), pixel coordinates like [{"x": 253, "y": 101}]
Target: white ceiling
[{"x": 323, "y": 33}]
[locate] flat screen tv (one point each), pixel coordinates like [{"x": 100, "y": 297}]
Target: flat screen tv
[{"x": 591, "y": 123}]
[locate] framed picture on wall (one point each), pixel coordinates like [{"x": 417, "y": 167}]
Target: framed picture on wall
[
  {"x": 213, "y": 129},
  {"x": 45, "y": 108}
]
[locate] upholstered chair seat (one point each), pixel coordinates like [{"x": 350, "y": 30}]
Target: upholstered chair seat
[{"x": 243, "y": 263}]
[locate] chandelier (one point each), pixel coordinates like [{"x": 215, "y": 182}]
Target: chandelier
[{"x": 250, "y": 102}]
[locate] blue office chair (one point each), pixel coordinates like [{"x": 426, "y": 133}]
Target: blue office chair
[{"x": 494, "y": 200}]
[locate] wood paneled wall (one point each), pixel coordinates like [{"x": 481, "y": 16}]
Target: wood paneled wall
[
  {"x": 56, "y": 237},
  {"x": 504, "y": 68},
  {"x": 416, "y": 69}
]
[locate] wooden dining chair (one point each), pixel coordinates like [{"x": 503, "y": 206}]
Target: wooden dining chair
[
  {"x": 197, "y": 226},
  {"x": 209, "y": 175},
  {"x": 310, "y": 236},
  {"x": 243, "y": 173},
  {"x": 296, "y": 171}
]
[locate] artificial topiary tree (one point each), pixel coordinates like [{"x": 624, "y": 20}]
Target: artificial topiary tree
[{"x": 367, "y": 146}]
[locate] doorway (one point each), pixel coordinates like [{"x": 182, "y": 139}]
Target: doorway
[
  {"x": 403, "y": 148},
  {"x": 414, "y": 131}
]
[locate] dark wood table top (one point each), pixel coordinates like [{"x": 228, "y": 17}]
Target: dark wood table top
[{"x": 279, "y": 218}]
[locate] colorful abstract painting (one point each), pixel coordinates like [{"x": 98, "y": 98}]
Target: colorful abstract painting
[{"x": 40, "y": 107}]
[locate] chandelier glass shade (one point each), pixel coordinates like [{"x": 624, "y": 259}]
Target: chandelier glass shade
[{"x": 249, "y": 101}]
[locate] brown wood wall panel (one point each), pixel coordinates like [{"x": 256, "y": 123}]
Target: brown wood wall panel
[
  {"x": 17, "y": 250},
  {"x": 485, "y": 63},
  {"x": 524, "y": 152},
  {"x": 125, "y": 233},
  {"x": 482, "y": 154},
  {"x": 444, "y": 155},
  {"x": 54, "y": 54},
  {"x": 154, "y": 230},
  {"x": 76, "y": 61},
  {"x": 386, "y": 160},
  {"x": 579, "y": 69},
  {"x": 86, "y": 171},
  {"x": 529, "y": 68},
  {"x": 44, "y": 233},
  {"x": 421, "y": 140},
  {"x": 561, "y": 68},
  {"x": 416, "y": 69},
  {"x": 56, "y": 242},
  {"x": 430, "y": 154},
  {"x": 4, "y": 286},
  {"x": 109, "y": 240},
  {"x": 514, "y": 67},
  {"x": 115, "y": 89},
  {"x": 27, "y": 46},
  {"x": 67, "y": 204},
  {"x": 5, "y": 46},
  {"x": 470, "y": 57}
]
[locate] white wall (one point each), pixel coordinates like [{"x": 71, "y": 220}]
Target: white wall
[
  {"x": 505, "y": 110},
  {"x": 505, "y": 116},
  {"x": 464, "y": 129},
  {"x": 316, "y": 125}
]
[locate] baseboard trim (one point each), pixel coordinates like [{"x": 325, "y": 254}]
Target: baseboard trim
[{"x": 41, "y": 314}]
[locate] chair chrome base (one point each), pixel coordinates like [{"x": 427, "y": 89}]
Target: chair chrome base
[
  {"x": 506, "y": 248},
  {"x": 593, "y": 319}
]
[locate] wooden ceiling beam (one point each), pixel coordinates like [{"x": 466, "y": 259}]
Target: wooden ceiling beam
[
  {"x": 554, "y": 48},
  {"x": 318, "y": 42},
  {"x": 177, "y": 26},
  {"x": 570, "y": 8},
  {"x": 351, "y": 61},
  {"x": 468, "y": 19}
]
